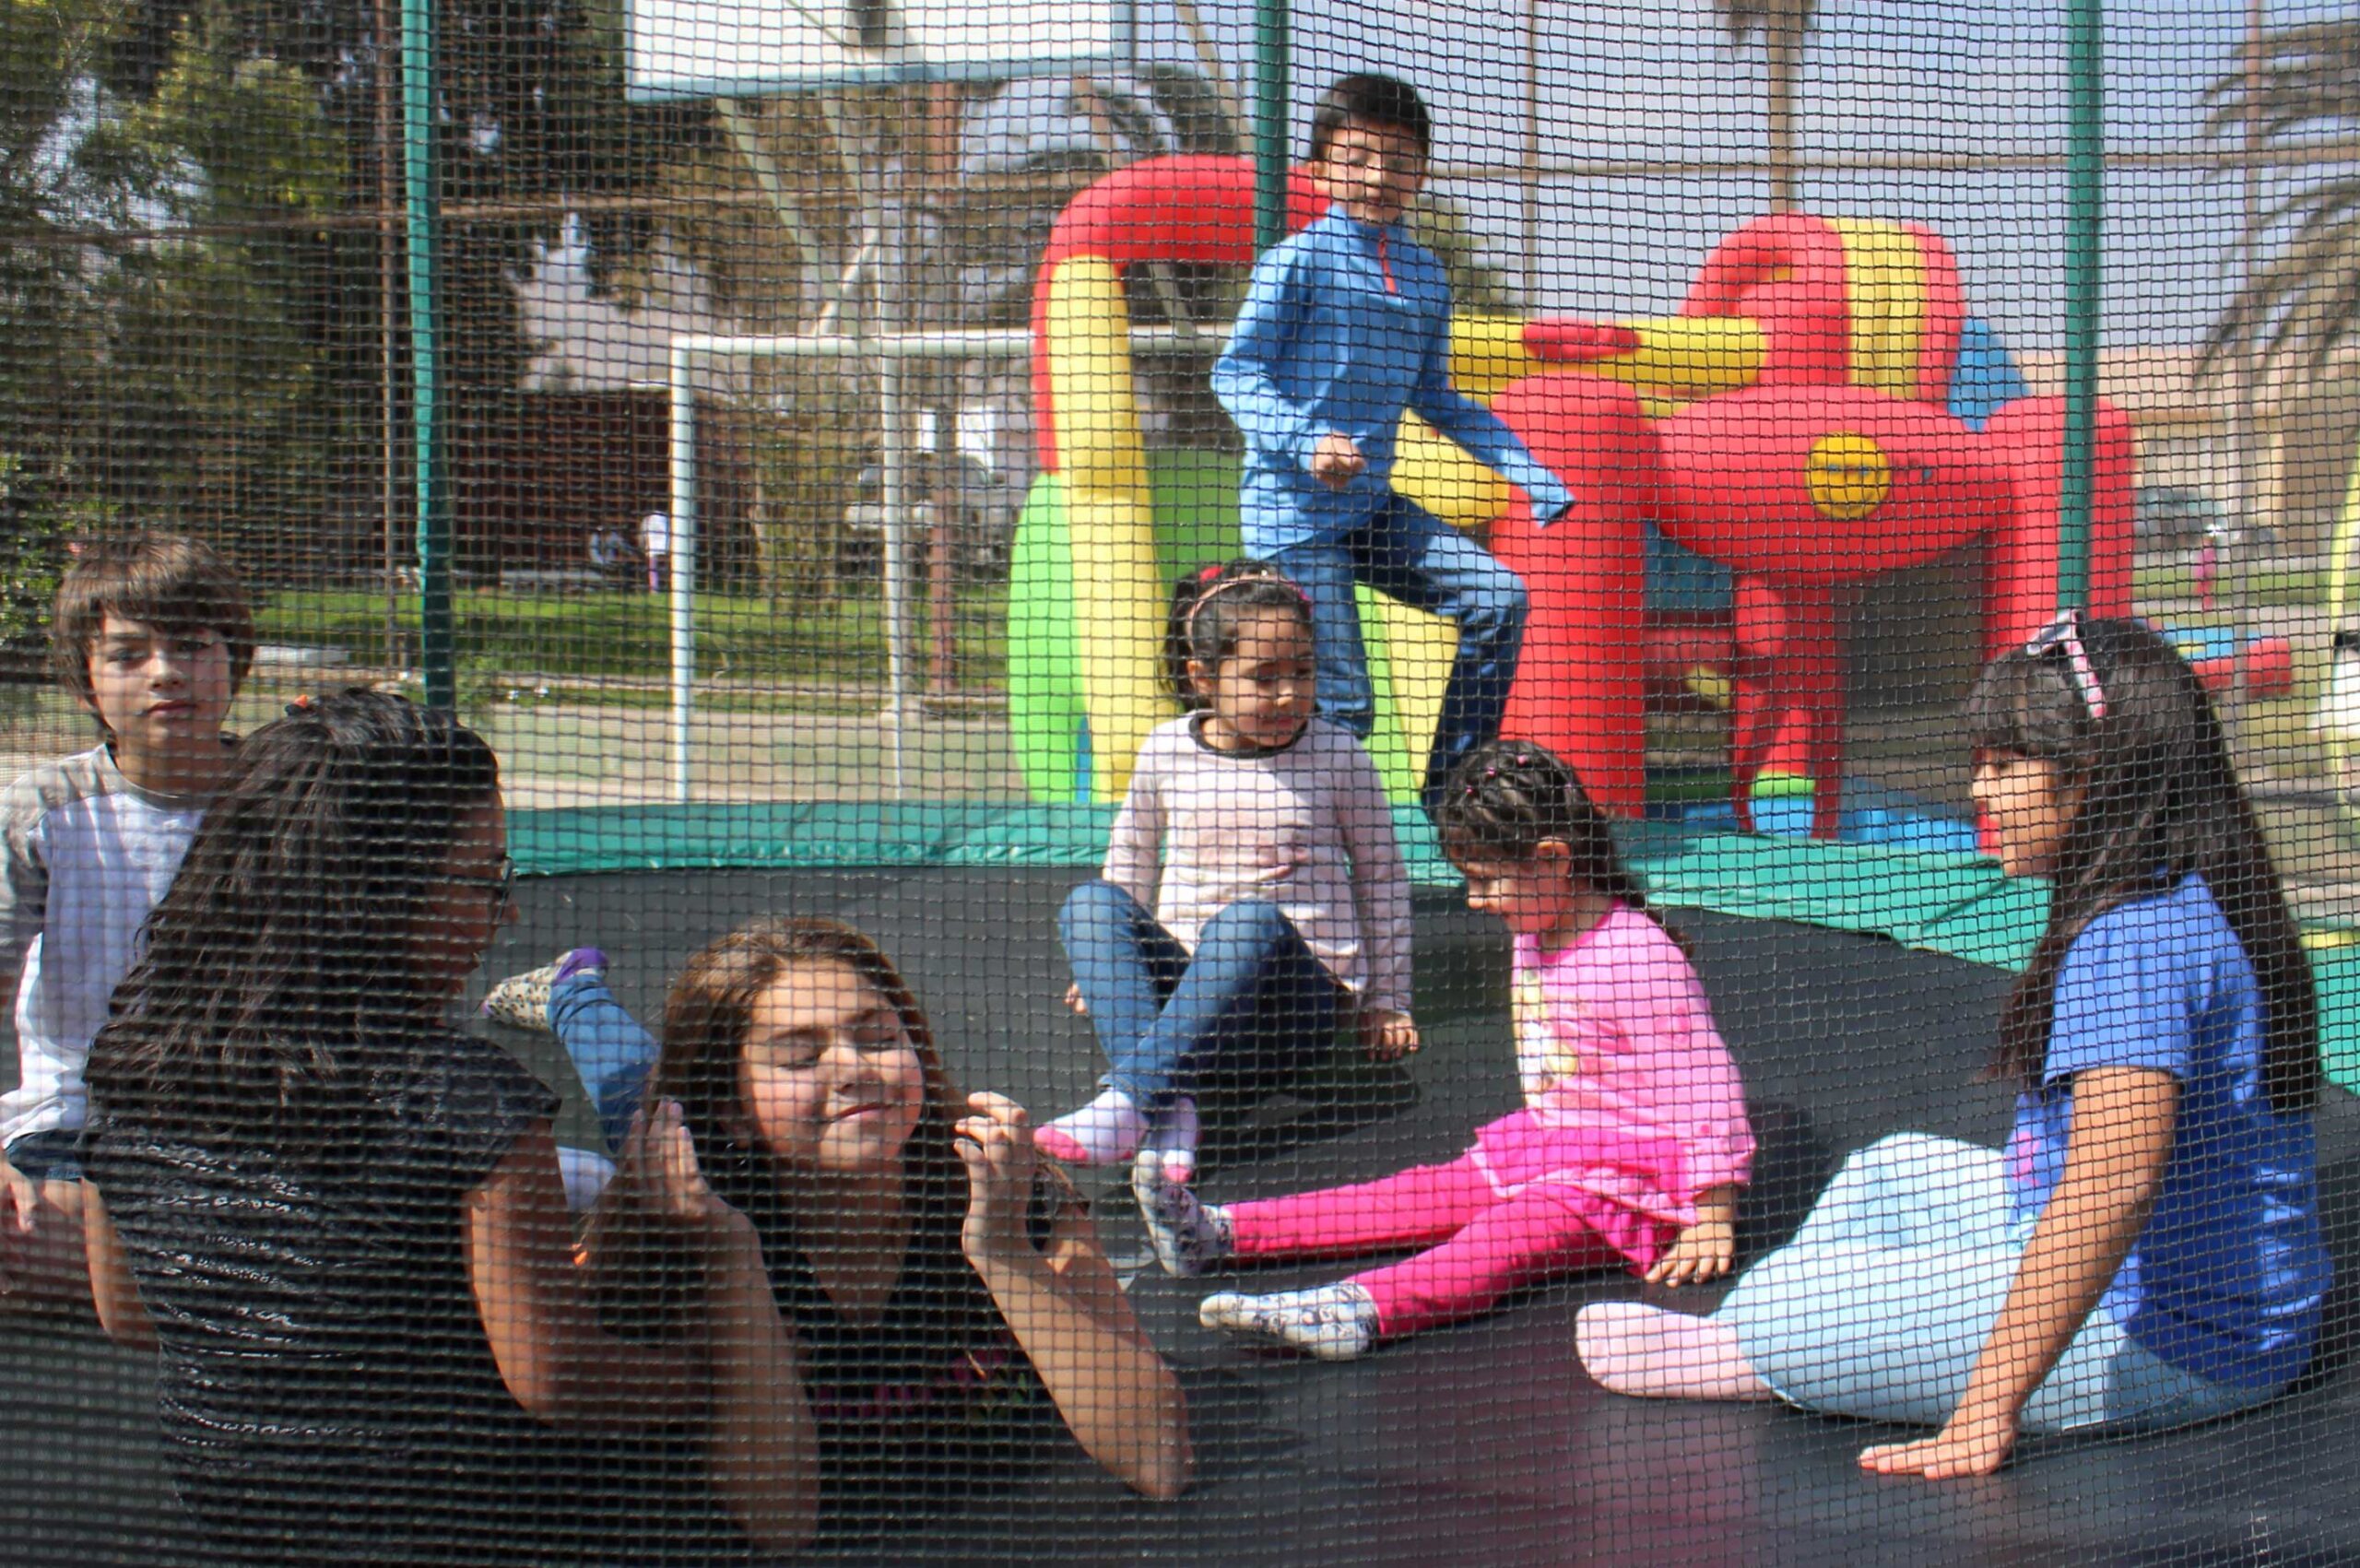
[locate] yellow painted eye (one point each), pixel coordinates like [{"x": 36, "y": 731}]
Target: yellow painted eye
[{"x": 1847, "y": 474}]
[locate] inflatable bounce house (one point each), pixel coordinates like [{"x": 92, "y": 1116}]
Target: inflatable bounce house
[{"x": 1819, "y": 413}]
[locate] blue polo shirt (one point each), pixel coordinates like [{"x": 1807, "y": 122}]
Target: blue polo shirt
[
  {"x": 1346, "y": 324},
  {"x": 2226, "y": 1280}
]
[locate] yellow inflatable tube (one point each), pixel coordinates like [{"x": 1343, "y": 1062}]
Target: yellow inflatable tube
[
  {"x": 1884, "y": 289},
  {"x": 1691, "y": 356},
  {"x": 1117, "y": 588}
]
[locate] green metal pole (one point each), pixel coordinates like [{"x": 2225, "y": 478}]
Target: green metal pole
[
  {"x": 2084, "y": 221},
  {"x": 1271, "y": 24},
  {"x": 423, "y": 184}
]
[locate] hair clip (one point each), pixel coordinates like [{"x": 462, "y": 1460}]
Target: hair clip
[
  {"x": 2065, "y": 633},
  {"x": 302, "y": 704}
]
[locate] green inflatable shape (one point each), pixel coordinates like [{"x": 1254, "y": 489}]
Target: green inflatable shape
[
  {"x": 1044, "y": 712},
  {"x": 1196, "y": 508},
  {"x": 1195, "y": 496}
]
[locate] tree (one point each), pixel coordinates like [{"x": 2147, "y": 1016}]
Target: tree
[
  {"x": 205, "y": 406},
  {"x": 2303, "y": 302},
  {"x": 1783, "y": 25},
  {"x": 68, "y": 178}
]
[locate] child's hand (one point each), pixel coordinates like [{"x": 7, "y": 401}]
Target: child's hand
[
  {"x": 20, "y": 1204},
  {"x": 996, "y": 1143},
  {"x": 1074, "y": 1001},
  {"x": 1967, "y": 1447},
  {"x": 1336, "y": 462},
  {"x": 661, "y": 1158},
  {"x": 1388, "y": 1035},
  {"x": 1703, "y": 1253}
]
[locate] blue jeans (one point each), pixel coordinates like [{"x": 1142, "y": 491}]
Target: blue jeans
[
  {"x": 1163, "y": 1014},
  {"x": 1405, "y": 552},
  {"x": 611, "y": 1051},
  {"x": 54, "y": 1155},
  {"x": 1880, "y": 1306}
]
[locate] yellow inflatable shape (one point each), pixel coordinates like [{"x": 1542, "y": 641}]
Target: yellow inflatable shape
[
  {"x": 1487, "y": 354},
  {"x": 1847, "y": 474},
  {"x": 1118, "y": 594},
  {"x": 1688, "y": 355},
  {"x": 1884, "y": 285},
  {"x": 1410, "y": 658},
  {"x": 1711, "y": 685},
  {"x": 2339, "y": 609},
  {"x": 1436, "y": 472}
]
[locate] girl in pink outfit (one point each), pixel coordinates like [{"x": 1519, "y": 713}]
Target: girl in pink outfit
[{"x": 1629, "y": 1150}]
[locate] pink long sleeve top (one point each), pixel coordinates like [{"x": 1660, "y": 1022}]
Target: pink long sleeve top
[
  {"x": 1306, "y": 826},
  {"x": 1630, "y": 1091}
]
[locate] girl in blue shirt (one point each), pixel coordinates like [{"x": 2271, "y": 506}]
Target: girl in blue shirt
[{"x": 2146, "y": 1252}]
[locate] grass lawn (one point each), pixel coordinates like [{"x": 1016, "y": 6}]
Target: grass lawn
[
  {"x": 2282, "y": 587},
  {"x": 624, "y": 636}
]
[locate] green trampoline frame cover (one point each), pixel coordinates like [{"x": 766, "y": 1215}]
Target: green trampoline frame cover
[{"x": 1961, "y": 905}]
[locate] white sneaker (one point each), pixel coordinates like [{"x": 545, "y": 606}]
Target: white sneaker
[
  {"x": 1190, "y": 1236},
  {"x": 1335, "y": 1323},
  {"x": 522, "y": 1001}
]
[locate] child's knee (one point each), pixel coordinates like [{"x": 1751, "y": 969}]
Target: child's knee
[
  {"x": 1096, "y": 903},
  {"x": 1248, "y": 921}
]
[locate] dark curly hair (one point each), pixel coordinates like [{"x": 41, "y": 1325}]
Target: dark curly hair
[{"x": 281, "y": 967}]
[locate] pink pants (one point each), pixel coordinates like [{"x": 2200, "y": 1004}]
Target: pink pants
[{"x": 1479, "y": 1245}]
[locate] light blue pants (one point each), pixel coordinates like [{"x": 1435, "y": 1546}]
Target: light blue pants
[{"x": 1881, "y": 1303}]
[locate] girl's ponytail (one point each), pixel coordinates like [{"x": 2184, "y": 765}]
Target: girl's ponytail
[{"x": 1507, "y": 797}]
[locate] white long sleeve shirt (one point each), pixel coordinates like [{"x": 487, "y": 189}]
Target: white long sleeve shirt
[
  {"x": 85, "y": 854},
  {"x": 1307, "y": 827}
]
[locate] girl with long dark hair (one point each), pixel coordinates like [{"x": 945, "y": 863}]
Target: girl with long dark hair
[
  {"x": 342, "y": 1224},
  {"x": 2146, "y": 1252}
]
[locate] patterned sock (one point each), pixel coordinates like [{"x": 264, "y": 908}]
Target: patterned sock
[
  {"x": 522, "y": 1001},
  {"x": 1104, "y": 1132},
  {"x": 1171, "y": 1145},
  {"x": 1336, "y": 1323},
  {"x": 1190, "y": 1236},
  {"x": 1644, "y": 1351}
]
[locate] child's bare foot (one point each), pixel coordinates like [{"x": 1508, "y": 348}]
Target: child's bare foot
[{"x": 1635, "y": 1349}]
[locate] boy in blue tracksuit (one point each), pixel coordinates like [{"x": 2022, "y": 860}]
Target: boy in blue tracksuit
[{"x": 1346, "y": 324}]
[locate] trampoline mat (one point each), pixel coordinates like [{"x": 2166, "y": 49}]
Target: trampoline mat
[{"x": 1480, "y": 1443}]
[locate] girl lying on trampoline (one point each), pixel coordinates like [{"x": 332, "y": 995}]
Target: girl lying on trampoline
[
  {"x": 951, "y": 1305},
  {"x": 1630, "y": 1147},
  {"x": 2146, "y": 1252}
]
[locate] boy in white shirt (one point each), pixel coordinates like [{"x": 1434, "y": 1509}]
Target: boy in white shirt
[{"x": 152, "y": 635}]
